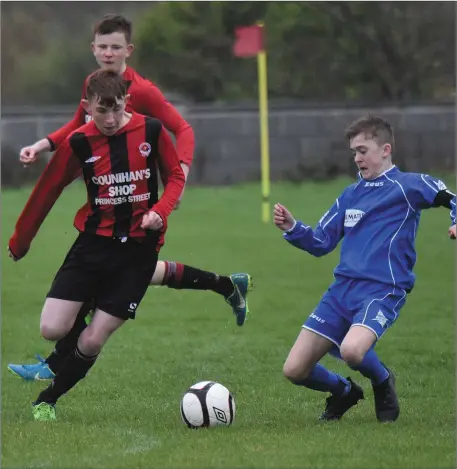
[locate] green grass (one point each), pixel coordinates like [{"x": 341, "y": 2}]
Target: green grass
[{"x": 126, "y": 413}]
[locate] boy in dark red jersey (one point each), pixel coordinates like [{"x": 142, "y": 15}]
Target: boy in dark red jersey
[
  {"x": 111, "y": 47},
  {"x": 114, "y": 256}
]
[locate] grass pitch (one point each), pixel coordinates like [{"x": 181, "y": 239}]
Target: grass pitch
[{"x": 126, "y": 413}]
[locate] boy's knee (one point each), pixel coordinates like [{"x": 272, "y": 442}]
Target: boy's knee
[
  {"x": 52, "y": 331},
  {"x": 295, "y": 372},
  {"x": 91, "y": 341},
  {"x": 352, "y": 354}
]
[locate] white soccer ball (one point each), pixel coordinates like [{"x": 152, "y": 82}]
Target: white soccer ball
[{"x": 207, "y": 404}]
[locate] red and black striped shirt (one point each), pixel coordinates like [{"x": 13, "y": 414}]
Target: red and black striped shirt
[{"x": 121, "y": 176}]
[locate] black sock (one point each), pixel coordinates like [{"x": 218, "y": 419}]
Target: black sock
[
  {"x": 68, "y": 343},
  {"x": 72, "y": 369},
  {"x": 196, "y": 279},
  {"x": 184, "y": 277}
]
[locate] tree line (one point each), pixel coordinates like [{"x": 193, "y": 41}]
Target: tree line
[{"x": 325, "y": 51}]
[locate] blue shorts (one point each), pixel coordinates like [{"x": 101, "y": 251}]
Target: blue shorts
[{"x": 350, "y": 302}]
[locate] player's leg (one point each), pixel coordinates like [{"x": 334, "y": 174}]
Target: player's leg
[
  {"x": 47, "y": 368},
  {"x": 184, "y": 277},
  {"x": 123, "y": 277},
  {"x": 371, "y": 366},
  {"x": 323, "y": 329},
  {"x": 358, "y": 341},
  {"x": 73, "y": 285},
  {"x": 76, "y": 364},
  {"x": 357, "y": 350},
  {"x": 69, "y": 284},
  {"x": 302, "y": 368},
  {"x": 68, "y": 343},
  {"x": 233, "y": 288},
  {"x": 57, "y": 319},
  {"x": 377, "y": 313}
]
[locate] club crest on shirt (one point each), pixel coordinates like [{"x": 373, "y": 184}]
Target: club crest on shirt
[
  {"x": 440, "y": 184},
  {"x": 145, "y": 149}
]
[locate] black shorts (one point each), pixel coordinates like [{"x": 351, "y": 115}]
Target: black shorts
[{"x": 115, "y": 274}]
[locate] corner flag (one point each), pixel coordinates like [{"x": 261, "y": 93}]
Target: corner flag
[{"x": 250, "y": 42}]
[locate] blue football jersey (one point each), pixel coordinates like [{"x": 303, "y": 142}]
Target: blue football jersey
[{"x": 378, "y": 221}]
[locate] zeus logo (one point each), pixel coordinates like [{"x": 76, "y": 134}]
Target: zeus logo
[
  {"x": 352, "y": 217},
  {"x": 317, "y": 318},
  {"x": 374, "y": 184}
]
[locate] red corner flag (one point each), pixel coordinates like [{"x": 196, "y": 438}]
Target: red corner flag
[{"x": 249, "y": 41}]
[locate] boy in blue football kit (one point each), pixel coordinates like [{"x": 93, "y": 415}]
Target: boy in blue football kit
[{"x": 377, "y": 219}]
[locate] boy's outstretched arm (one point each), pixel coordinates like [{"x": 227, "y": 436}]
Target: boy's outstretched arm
[{"x": 318, "y": 242}]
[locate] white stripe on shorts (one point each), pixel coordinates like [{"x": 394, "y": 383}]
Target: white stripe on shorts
[{"x": 322, "y": 335}]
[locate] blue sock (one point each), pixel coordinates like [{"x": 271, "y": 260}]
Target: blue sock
[
  {"x": 321, "y": 379},
  {"x": 371, "y": 367}
]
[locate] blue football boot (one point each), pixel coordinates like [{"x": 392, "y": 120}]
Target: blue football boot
[
  {"x": 238, "y": 300},
  {"x": 37, "y": 372}
]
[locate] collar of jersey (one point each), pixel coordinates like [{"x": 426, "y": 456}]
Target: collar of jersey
[
  {"x": 128, "y": 72},
  {"x": 359, "y": 176}
]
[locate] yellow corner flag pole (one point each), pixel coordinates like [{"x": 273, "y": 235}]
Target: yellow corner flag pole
[{"x": 264, "y": 136}]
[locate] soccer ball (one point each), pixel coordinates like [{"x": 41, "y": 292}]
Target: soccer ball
[{"x": 207, "y": 404}]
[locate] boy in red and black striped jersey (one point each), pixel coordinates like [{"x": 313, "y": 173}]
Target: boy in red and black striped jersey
[
  {"x": 119, "y": 169},
  {"x": 111, "y": 47},
  {"x": 120, "y": 226}
]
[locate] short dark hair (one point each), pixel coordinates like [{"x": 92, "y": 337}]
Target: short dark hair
[
  {"x": 114, "y": 24},
  {"x": 106, "y": 85},
  {"x": 373, "y": 127}
]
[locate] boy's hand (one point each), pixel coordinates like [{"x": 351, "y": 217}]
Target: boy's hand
[
  {"x": 282, "y": 218},
  {"x": 152, "y": 221}
]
